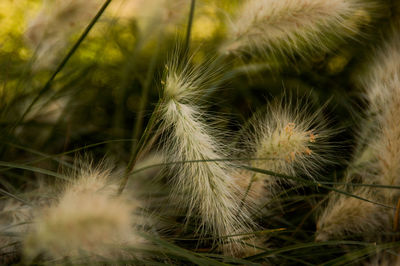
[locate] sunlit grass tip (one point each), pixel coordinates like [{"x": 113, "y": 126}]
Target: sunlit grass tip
[
  {"x": 205, "y": 189},
  {"x": 286, "y": 138}
]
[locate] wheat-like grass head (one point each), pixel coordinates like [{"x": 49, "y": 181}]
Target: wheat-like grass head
[
  {"x": 87, "y": 222},
  {"x": 205, "y": 189},
  {"x": 382, "y": 92},
  {"x": 346, "y": 216},
  {"x": 288, "y": 27},
  {"x": 285, "y": 138},
  {"x": 291, "y": 138}
]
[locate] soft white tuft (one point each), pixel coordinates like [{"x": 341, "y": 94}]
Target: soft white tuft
[
  {"x": 286, "y": 139},
  {"x": 205, "y": 189},
  {"x": 291, "y": 27},
  {"x": 378, "y": 160},
  {"x": 383, "y": 94},
  {"x": 88, "y": 222},
  {"x": 347, "y": 216}
]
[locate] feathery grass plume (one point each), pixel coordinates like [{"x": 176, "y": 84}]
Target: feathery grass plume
[
  {"x": 48, "y": 34},
  {"x": 205, "y": 189},
  {"x": 289, "y": 27},
  {"x": 382, "y": 87},
  {"x": 378, "y": 161},
  {"x": 347, "y": 216},
  {"x": 88, "y": 222},
  {"x": 289, "y": 139}
]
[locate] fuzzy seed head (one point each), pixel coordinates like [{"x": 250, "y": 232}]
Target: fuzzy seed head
[
  {"x": 290, "y": 140},
  {"x": 205, "y": 189},
  {"x": 379, "y": 160},
  {"x": 284, "y": 139},
  {"x": 383, "y": 76},
  {"x": 382, "y": 87},
  {"x": 16, "y": 220},
  {"x": 348, "y": 216},
  {"x": 295, "y": 26},
  {"x": 88, "y": 220},
  {"x": 286, "y": 143}
]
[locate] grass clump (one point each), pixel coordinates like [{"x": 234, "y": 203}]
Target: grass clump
[{"x": 262, "y": 132}]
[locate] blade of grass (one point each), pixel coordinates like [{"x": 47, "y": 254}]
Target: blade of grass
[
  {"x": 352, "y": 256},
  {"x": 33, "y": 169},
  {"x": 266, "y": 172},
  {"x": 51, "y": 156},
  {"x": 258, "y": 233},
  {"x": 5, "y": 193},
  {"x": 36, "y": 152},
  {"x": 309, "y": 182},
  {"x": 135, "y": 154},
  {"x": 297, "y": 261},
  {"x": 145, "y": 93},
  {"x": 231, "y": 260},
  {"x": 303, "y": 246},
  {"x": 196, "y": 258},
  {"x": 186, "y": 46}
]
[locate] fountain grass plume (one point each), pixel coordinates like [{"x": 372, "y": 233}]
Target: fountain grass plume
[
  {"x": 378, "y": 161},
  {"x": 347, "y": 216},
  {"x": 286, "y": 138},
  {"x": 86, "y": 223},
  {"x": 382, "y": 89},
  {"x": 289, "y": 27},
  {"x": 205, "y": 189}
]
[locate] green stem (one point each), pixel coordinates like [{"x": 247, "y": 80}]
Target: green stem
[
  {"x": 189, "y": 30},
  {"x": 138, "y": 148},
  {"x": 309, "y": 182},
  {"x": 2, "y": 191},
  {"x": 145, "y": 94}
]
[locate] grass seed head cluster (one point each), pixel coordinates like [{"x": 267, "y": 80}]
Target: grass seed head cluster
[
  {"x": 86, "y": 219},
  {"x": 290, "y": 27},
  {"x": 201, "y": 180},
  {"x": 205, "y": 188},
  {"x": 346, "y": 216}
]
